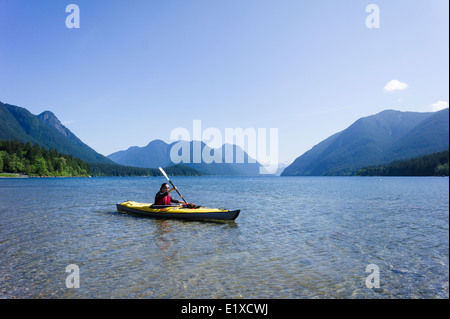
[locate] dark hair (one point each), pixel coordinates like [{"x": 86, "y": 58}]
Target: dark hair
[{"x": 164, "y": 184}]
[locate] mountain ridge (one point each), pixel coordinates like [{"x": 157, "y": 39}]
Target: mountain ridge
[
  {"x": 157, "y": 153},
  {"x": 374, "y": 140},
  {"x": 46, "y": 130}
]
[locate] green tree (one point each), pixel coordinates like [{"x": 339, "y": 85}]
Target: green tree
[
  {"x": 442, "y": 170},
  {"x": 41, "y": 167},
  {"x": 15, "y": 164},
  {"x": 1, "y": 162}
]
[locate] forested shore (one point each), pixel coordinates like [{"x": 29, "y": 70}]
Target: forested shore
[
  {"x": 19, "y": 159},
  {"x": 436, "y": 164},
  {"x": 33, "y": 160}
]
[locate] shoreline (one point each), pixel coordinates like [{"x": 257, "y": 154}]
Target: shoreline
[
  {"x": 15, "y": 175},
  {"x": 12, "y": 175}
]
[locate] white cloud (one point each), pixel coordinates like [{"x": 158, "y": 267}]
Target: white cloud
[
  {"x": 439, "y": 105},
  {"x": 395, "y": 85}
]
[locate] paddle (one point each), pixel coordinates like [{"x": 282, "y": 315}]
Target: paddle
[{"x": 165, "y": 175}]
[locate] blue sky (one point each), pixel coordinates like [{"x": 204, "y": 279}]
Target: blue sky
[{"x": 136, "y": 70}]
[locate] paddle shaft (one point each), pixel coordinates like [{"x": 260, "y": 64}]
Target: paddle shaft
[
  {"x": 177, "y": 191},
  {"x": 167, "y": 177}
]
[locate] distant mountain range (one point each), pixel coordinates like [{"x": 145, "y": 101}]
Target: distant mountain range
[
  {"x": 375, "y": 140},
  {"x": 46, "y": 130},
  {"x": 370, "y": 141},
  {"x": 157, "y": 153}
]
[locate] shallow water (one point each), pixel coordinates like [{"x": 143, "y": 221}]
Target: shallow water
[{"x": 296, "y": 237}]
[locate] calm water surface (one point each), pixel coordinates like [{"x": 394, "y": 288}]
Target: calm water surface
[{"x": 296, "y": 237}]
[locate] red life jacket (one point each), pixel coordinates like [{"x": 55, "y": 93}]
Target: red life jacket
[{"x": 164, "y": 201}]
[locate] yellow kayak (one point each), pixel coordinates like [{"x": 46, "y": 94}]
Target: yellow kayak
[{"x": 179, "y": 212}]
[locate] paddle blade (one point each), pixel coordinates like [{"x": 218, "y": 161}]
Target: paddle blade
[{"x": 164, "y": 173}]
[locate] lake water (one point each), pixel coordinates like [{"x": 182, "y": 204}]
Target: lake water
[{"x": 296, "y": 237}]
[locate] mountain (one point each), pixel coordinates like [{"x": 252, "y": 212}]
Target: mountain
[
  {"x": 46, "y": 130},
  {"x": 375, "y": 140},
  {"x": 429, "y": 136},
  {"x": 157, "y": 153}
]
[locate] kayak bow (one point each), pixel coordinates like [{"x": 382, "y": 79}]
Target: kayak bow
[{"x": 178, "y": 212}]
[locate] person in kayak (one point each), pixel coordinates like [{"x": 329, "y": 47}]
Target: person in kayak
[{"x": 163, "y": 196}]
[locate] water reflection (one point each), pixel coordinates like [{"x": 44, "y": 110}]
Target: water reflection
[{"x": 163, "y": 240}]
